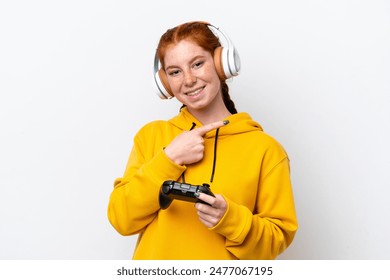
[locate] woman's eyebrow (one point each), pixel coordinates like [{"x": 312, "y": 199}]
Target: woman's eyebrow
[{"x": 191, "y": 61}]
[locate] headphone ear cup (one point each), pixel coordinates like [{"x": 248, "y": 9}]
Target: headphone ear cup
[
  {"x": 219, "y": 63},
  {"x": 164, "y": 90},
  {"x": 233, "y": 61},
  {"x": 164, "y": 81},
  {"x": 227, "y": 62}
]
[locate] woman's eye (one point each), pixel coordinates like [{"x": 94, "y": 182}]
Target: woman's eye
[
  {"x": 173, "y": 73},
  {"x": 198, "y": 64}
]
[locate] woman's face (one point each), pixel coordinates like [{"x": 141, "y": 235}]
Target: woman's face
[{"x": 192, "y": 76}]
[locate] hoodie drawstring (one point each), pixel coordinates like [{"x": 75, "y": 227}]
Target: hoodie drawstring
[
  {"x": 214, "y": 156},
  {"x": 193, "y": 126},
  {"x": 183, "y": 180}
]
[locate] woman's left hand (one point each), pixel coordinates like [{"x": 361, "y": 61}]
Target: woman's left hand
[{"x": 211, "y": 215}]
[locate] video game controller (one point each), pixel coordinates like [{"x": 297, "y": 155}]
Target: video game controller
[{"x": 182, "y": 191}]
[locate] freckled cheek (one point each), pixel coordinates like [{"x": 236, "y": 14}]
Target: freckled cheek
[{"x": 175, "y": 85}]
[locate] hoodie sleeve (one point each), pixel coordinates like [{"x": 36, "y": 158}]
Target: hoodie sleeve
[
  {"x": 270, "y": 230},
  {"x": 134, "y": 202}
]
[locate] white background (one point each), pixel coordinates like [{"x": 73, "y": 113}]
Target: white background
[{"x": 76, "y": 85}]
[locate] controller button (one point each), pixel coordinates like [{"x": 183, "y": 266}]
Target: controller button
[{"x": 165, "y": 189}]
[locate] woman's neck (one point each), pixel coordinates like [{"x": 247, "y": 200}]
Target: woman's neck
[{"x": 206, "y": 116}]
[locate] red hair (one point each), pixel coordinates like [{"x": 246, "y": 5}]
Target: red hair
[
  {"x": 197, "y": 32},
  {"x": 200, "y": 34}
]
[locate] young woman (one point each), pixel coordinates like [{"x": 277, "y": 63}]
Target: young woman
[{"x": 252, "y": 214}]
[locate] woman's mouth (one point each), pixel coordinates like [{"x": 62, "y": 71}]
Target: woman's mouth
[{"x": 195, "y": 92}]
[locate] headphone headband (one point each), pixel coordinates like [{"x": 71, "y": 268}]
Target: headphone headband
[{"x": 226, "y": 60}]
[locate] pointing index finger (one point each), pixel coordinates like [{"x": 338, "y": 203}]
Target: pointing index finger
[{"x": 208, "y": 127}]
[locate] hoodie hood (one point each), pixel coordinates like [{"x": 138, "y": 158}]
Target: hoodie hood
[{"x": 238, "y": 123}]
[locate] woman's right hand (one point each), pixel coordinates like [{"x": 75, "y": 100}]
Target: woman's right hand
[{"x": 188, "y": 147}]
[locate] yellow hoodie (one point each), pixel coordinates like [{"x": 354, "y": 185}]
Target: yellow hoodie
[{"x": 248, "y": 167}]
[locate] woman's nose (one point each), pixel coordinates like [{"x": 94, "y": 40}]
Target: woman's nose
[{"x": 189, "y": 78}]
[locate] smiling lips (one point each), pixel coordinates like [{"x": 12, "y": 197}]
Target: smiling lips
[{"x": 195, "y": 92}]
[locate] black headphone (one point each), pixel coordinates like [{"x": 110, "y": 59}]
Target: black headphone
[{"x": 226, "y": 60}]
